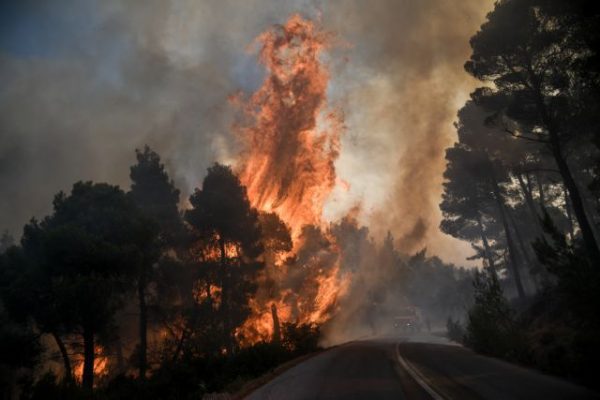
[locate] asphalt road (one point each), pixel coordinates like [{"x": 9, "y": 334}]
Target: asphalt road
[{"x": 405, "y": 369}]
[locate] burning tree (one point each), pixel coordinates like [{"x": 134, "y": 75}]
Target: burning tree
[
  {"x": 230, "y": 230},
  {"x": 79, "y": 261},
  {"x": 291, "y": 140},
  {"x": 156, "y": 196},
  {"x": 291, "y": 137}
]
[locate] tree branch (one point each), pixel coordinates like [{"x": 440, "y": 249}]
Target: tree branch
[{"x": 514, "y": 134}]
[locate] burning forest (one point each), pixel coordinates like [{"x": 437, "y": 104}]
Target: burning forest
[
  {"x": 291, "y": 141},
  {"x": 325, "y": 195}
]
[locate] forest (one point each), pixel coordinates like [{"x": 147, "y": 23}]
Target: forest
[
  {"x": 122, "y": 294},
  {"x": 141, "y": 293},
  {"x": 522, "y": 186}
]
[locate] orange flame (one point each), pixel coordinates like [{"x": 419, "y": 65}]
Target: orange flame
[
  {"x": 100, "y": 364},
  {"x": 291, "y": 141}
]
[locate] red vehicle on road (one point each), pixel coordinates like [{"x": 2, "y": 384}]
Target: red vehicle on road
[{"x": 408, "y": 319}]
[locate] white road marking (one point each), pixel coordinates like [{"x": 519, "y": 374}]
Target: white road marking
[{"x": 417, "y": 376}]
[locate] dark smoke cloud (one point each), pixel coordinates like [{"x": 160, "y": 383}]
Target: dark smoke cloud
[
  {"x": 103, "y": 77},
  {"x": 84, "y": 83}
]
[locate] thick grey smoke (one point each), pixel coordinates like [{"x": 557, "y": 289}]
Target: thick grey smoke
[
  {"x": 404, "y": 82},
  {"x": 101, "y": 78}
]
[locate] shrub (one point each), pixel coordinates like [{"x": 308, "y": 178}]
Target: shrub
[{"x": 491, "y": 324}]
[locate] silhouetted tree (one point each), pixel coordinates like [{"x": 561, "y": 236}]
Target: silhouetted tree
[
  {"x": 491, "y": 327},
  {"x": 472, "y": 197},
  {"x": 27, "y": 295},
  {"x": 276, "y": 235},
  {"x": 223, "y": 217},
  {"x": 19, "y": 342},
  {"x": 467, "y": 206},
  {"x": 534, "y": 66},
  {"x": 157, "y": 198},
  {"x": 578, "y": 280},
  {"x": 84, "y": 255}
]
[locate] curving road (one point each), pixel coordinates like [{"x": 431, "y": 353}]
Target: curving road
[{"x": 411, "y": 369}]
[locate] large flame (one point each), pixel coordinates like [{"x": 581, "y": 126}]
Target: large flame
[{"x": 291, "y": 140}]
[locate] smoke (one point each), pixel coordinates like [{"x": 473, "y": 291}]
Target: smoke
[
  {"x": 85, "y": 83},
  {"x": 408, "y": 58}
]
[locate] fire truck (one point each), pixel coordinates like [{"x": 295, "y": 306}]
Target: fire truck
[{"x": 408, "y": 319}]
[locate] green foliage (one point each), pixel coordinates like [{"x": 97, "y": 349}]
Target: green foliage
[
  {"x": 577, "y": 280},
  {"x": 155, "y": 194},
  {"x": 564, "y": 325},
  {"x": 78, "y": 262},
  {"x": 491, "y": 327},
  {"x": 221, "y": 209},
  {"x": 224, "y": 221},
  {"x": 84, "y": 253},
  {"x": 533, "y": 52}
]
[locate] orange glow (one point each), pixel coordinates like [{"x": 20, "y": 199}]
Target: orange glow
[
  {"x": 202, "y": 292},
  {"x": 212, "y": 252},
  {"x": 291, "y": 140},
  {"x": 100, "y": 364}
]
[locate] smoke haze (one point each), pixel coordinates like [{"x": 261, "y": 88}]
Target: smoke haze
[{"x": 92, "y": 80}]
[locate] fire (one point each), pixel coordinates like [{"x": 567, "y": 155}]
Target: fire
[
  {"x": 292, "y": 138},
  {"x": 100, "y": 364},
  {"x": 212, "y": 252},
  {"x": 204, "y": 292}
]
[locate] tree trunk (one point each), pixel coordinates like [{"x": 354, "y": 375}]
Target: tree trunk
[
  {"x": 276, "y": 326},
  {"x": 577, "y": 203},
  {"x": 65, "y": 356},
  {"x": 88, "y": 359},
  {"x": 526, "y": 188},
  {"x": 569, "y": 212},
  {"x": 533, "y": 263},
  {"x": 587, "y": 232},
  {"x": 180, "y": 343},
  {"x": 541, "y": 191},
  {"x": 486, "y": 247},
  {"x": 185, "y": 333},
  {"x": 143, "y": 322},
  {"x": 512, "y": 251},
  {"x": 225, "y": 311}
]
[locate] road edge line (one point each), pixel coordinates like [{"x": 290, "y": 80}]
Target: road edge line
[{"x": 416, "y": 375}]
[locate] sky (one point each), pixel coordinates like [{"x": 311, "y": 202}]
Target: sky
[{"x": 85, "y": 83}]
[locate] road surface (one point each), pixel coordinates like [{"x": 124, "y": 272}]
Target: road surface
[{"x": 405, "y": 369}]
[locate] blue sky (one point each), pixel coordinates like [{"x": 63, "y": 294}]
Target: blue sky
[{"x": 43, "y": 29}]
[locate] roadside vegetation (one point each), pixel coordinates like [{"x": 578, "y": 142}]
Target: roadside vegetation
[
  {"x": 522, "y": 186},
  {"x": 120, "y": 294}
]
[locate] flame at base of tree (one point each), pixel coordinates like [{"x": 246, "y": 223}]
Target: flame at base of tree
[
  {"x": 291, "y": 140},
  {"x": 101, "y": 363}
]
